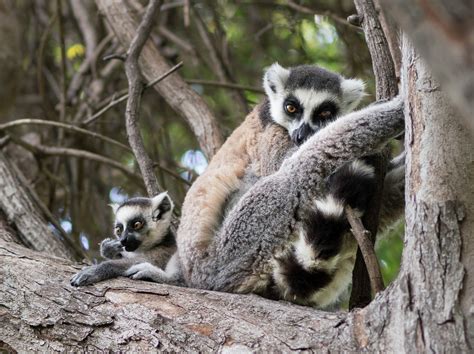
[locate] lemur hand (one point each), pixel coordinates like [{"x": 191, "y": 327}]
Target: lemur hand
[{"x": 111, "y": 248}]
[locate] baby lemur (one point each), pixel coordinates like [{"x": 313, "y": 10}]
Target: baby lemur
[{"x": 143, "y": 247}]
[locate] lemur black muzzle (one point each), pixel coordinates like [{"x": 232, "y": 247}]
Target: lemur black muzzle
[
  {"x": 130, "y": 242},
  {"x": 302, "y": 134}
]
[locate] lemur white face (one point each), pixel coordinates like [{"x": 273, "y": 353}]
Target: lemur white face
[
  {"x": 141, "y": 223},
  {"x": 306, "y": 98}
]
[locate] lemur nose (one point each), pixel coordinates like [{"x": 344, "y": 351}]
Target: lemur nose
[{"x": 300, "y": 138}]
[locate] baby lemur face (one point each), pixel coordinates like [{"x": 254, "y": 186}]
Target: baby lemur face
[
  {"x": 142, "y": 223},
  {"x": 306, "y": 98}
]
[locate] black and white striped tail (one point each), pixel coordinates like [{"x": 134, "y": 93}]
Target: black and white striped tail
[{"x": 317, "y": 269}]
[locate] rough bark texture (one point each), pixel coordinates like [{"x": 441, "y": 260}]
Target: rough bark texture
[
  {"x": 21, "y": 212},
  {"x": 443, "y": 33},
  {"x": 40, "y": 311},
  {"x": 440, "y": 206},
  {"x": 174, "y": 89}
]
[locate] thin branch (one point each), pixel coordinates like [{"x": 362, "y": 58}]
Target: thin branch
[
  {"x": 115, "y": 101},
  {"x": 31, "y": 121},
  {"x": 172, "y": 173},
  {"x": 225, "y": 85},
  {"x": 367, "y": 248},
  {"x": 135, "y": 90},
  {"x": 386, "y": 88},
  {"x": 42, "y": 150},
  {"x": 217, "y": 64}
]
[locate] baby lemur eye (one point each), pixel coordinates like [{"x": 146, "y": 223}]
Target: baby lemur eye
[
  {"x": 137, "y": 225},
  {"x": 289, "y": 108},
  {"x": 118, "y": 230}
]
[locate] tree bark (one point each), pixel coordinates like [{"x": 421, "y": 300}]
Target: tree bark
[
  {"x": 174, "y": 89},
  {"x": 18, "y": 206},
  {"x": 442, "y": 31}
]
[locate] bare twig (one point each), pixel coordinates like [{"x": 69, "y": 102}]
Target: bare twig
[
  {"x": 42, "y": 150},
  {"x": 31, "y": 121},
  {"x": 186, "y": 7},
  {"x": 225, "y": 85},
  {"x": 136, "y": 87},
  {"x": 42, "y": 46},
  {"x": 216, "y": 62},
  {"x": 115, "y": 101},
  {"x": 367, "y": 248}
]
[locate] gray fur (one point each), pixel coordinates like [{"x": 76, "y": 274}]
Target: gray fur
[
  {"x": 313, "y": 77},
  {"x": 156, "y": 243},
  {"x": 264, "y": 218}
]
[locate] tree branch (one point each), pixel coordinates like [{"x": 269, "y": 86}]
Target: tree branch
[
  {"x": 386, "y": 88},
  {"x": 135, "y": 90},
  {"x": 115, "y": 101},
  {"x": 175, "y": 91},
  {"x": 32, "y": 121},
  {"x": 60, "y": 151},
  {"x": 367, "y": 249}
]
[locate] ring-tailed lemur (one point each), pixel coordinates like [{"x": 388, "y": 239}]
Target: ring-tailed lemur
[
  {"x": 243, "y": 231},
  {"x": 144, "y": 247}
]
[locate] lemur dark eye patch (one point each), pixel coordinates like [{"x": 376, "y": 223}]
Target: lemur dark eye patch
[
  {"x": 326, "y": 110},
  {"x": 292, "y": 106},
  {"x": 131, "y": 225}
]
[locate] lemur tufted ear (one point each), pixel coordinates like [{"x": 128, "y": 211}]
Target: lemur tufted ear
[
  {"x": 274, "y": 79},
  {"x": 353, "y": 90},
  {"x": 114, "y": 207},
  {"x": 161, "y": 204}
]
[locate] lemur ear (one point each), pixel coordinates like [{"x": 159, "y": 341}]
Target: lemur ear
[
  {"x": 114, "y": 207},
  {"x": 274, "y": 79},
  {"x": 161, "y": 204},
  {"x": 353, "y": 90}
]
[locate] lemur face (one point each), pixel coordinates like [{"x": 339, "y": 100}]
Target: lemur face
[
  {"x": 141, "y": 223},
  {"x": 306, "y": 98}
]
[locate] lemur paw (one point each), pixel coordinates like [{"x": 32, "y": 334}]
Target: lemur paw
[
  {"x": 111, "y": 248},
  {"x": 87, "y": 276},
  {"x": 146, "y": 271},
  {"x": 353, "y": 184}
]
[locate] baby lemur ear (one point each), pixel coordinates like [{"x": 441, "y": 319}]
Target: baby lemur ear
[
  {"x": 114, "y": 207},
  {"x": 353, "y": 90},
  {"x": 275, "y": 79},
  {"x": 161, "y": 204}
]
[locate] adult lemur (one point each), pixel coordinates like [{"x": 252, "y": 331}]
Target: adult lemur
[
  {"x": 144, "y": 244},
  {"x": 264, "y": 217}
]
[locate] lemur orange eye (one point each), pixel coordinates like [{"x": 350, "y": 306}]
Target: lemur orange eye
[
  {"x": 290, "y": 108},
  {"x": 325, "y": 114},
  {"x": 137, "y": 225}
]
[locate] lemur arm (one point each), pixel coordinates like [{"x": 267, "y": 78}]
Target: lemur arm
[
  {"x": 147, "y": 271},
  {"x": 265, "y": 216},
  {"x": 106, "y": 270}
]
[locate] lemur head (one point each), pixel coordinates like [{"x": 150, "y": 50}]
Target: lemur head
[
  {"x": 303, "y": 99},
  {"x": 142, "y": 223}
]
